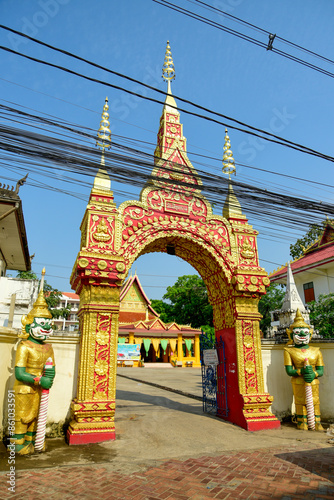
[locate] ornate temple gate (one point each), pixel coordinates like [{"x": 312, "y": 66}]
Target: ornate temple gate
[{"x": 172, "y": 216}]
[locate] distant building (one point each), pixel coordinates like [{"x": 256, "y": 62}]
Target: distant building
[
  {"x": 71, "y": 323},
  {"x": 313, "y": 272}
]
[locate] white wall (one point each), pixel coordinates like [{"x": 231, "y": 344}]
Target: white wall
[
  {"x": 66, "y": 349},
  {"x": 26, "y": 293},
  {"x": 322, "y": 278}
]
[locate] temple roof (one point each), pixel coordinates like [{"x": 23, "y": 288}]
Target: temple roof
[
  {"x": 134, "y": 280},
  {"x": 319, "y": 253}
]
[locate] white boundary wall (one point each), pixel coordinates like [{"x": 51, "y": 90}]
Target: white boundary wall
[{"x": 66, "y": 349}]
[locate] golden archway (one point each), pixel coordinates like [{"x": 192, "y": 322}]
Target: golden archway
[{"x": 171, "y": 216}]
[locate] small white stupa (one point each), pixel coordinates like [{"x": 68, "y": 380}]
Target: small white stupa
[{"x": 291, "y": 303}]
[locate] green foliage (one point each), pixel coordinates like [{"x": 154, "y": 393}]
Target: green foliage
[
  {"x": 190, "y": 302},
  {"x": 270, "y": 302},
  {"x": 187, "y": 304},
  {"x": 313, "y": 233},
  {"x": 322, "y": 315},
  {"x": 165, "y": 310},
  {"x": 208, "y": 338},
  {"x": 27, "y": 275},
  {"x": 52, "y": 298}
]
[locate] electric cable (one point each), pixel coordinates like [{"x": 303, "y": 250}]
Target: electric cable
[
  {"x": 247, "y": 38},
  {"x": 266, "y": 135}
]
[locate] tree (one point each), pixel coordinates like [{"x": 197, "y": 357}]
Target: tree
[
  {"x": 27, "y": 275},
  {"x": 52, "y": 295},
  {"x": 313, "y": 233},
  {"x": 189, "y": 302},
  {"x": 164, "y": 309},
  {"x": 53, "y": 298},
  {"x": 270, "y": 302},
  {"x": 322, "y": 315}
]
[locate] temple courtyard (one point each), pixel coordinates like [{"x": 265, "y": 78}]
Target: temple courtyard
[{"x": 167, "y": 448}]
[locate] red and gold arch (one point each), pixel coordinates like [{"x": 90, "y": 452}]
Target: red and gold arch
[{"x": 171, "y": 216}]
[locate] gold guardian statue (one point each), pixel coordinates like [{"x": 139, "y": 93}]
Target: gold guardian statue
[
  {"x": 304, "y": 364},
  {"x": 32, "y": 356}
]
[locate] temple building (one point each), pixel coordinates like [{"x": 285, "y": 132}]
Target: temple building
[
  {"x": 312, "y": 272},
  {"x": 140, "y": 325}
]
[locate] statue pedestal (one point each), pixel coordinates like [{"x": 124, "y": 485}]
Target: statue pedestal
[{"x": 92, "y": 422}]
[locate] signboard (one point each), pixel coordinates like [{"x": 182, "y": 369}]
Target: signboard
[
  {"x": 128, "y": 352},
  {"x": 210, "y": 357},
  {"x": 176, "y": 207}
]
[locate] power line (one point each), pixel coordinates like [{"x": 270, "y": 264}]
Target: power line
[
  {"x": 136, "y": 169},
  {"x": 91, "y": 135},
  {"x": 261, "y": 30},
  {"x": 238, "y": 34},
  {"x": 253, "y": 130}
]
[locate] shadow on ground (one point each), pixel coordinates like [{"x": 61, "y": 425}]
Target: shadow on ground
[
  {"x": 148, "y": 399},
  {"x": 59, "y": 454},
  {"x": 319, "y": 461}
]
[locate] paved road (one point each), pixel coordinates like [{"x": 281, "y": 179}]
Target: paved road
[{"x": 166, "y": 448}]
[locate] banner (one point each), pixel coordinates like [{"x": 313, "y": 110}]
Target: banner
[{"x": 126, "y": 352}]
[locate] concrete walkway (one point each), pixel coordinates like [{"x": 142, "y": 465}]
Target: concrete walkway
[{"x": 167, "y": 448}]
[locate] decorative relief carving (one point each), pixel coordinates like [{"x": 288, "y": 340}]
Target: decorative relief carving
[
  {"x": 249, "y": 357},
  {"x": 101, "y": 232},
  {"x": 102, "y": 362}
]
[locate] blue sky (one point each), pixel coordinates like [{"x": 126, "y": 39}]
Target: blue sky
[{"x": 213, "y": 69}]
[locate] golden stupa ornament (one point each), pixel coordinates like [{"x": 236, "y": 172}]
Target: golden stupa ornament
[
  {"x": 168, "y": 69},
  {"x": 102, "y": 180},
  {"x": 228, "y": 160},
  {"x": 104, "y": 132}
]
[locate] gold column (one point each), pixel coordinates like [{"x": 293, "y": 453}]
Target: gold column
[
  {"x": 94, "y": 407},
  {"x": 197, "y": 350},
  {"x": 249, "y": 361},
  {"x": 131, "y": 338},
  {"x": 179, "y": 347}
]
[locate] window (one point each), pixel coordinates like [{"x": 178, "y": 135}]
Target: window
[{"x": 309, "y": 292}]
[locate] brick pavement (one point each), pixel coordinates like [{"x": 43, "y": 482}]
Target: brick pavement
[{"x": 299, "y": 472}]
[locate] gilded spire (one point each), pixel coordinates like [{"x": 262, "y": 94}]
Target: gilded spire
[
  {"x": 168, "y": 70},
  {"x": 168, "y": 74},
  {"x": 228, "y": 160},
  {"x": 102, "y": 180},
  {"x": 104, "y": 132},
  {"x": 232, "y": 207},
  {"x": 41, "y": 285}
]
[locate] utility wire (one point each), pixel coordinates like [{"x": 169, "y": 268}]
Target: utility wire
[
  {"x": 253, "y": 130},
  {"x": 261, "y": 30},
  {"x": 90, "y": 133},
  {"x": 238, "y": 34}
]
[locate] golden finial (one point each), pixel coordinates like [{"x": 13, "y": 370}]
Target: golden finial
[
  {"x": 104, "y": 132},
  {"x": 41, "y": 285},
  {"x": 168, "y": 70},
  {"x": 228, "y": 160}
]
